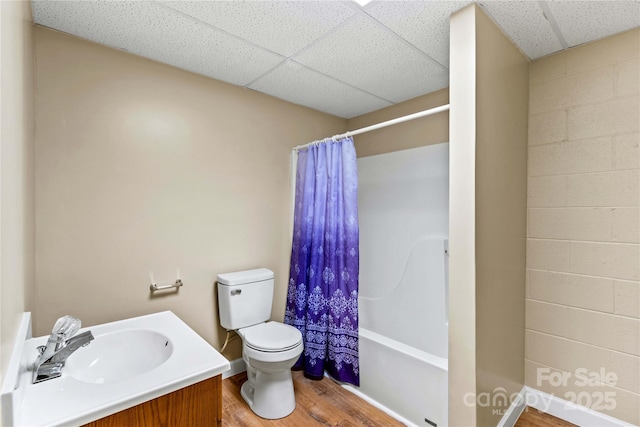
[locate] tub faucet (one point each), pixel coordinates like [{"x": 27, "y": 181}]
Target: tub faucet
[{"x": 61, "y": 344}]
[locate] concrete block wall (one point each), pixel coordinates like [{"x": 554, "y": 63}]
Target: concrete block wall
[{"x": 583, "y": 239}]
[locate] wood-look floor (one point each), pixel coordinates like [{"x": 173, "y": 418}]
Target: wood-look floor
[
  {"x": 318, "y": 403},
  {"x": 533, "y": 418},
  {"x": 325, "y": 403}
]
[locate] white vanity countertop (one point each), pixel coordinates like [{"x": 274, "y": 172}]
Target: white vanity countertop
[{"x": 66, "y": 401}]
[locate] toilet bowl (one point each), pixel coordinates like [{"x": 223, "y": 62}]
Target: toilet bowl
[{"x": 269, "y": 349}]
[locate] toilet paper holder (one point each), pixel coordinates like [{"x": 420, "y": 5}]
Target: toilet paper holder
[{"x": 154, "y": 286}]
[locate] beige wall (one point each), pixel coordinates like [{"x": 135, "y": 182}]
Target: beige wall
[
  {"x": 415, "y": 133},
  {"x": 143, "y": 167},
  {"x": 488, "y": 152},
  {"x": 16, "y": 170},
  {"x": 502, "y": 78},
  {"x": 583, "y": 259}
]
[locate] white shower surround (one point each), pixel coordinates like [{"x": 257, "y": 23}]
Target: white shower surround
[{"x": 403, "y": 214}]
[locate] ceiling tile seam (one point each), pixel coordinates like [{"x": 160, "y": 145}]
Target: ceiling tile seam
[
  {"x": 213, "y": 27},
  {"x": 284, "y": 60},
  {"x": 554, "y": 24},
  {"x": 303, "y": 49},
  {"x": 323, "y": 36},
  {"x": 342, "y": 82},
  {"x": 269, "y": 71},
  {"x": 311, "y": 44},
  {"x": 403, "y": 40}
]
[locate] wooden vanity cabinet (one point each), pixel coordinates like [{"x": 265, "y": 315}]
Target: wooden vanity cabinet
[{"x": 197, "y": 405}]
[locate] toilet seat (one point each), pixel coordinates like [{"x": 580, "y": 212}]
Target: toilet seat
[{"x": 271, "y": 337}]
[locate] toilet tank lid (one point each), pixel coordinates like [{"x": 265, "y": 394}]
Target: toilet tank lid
[{"x": 246, "y": 276}]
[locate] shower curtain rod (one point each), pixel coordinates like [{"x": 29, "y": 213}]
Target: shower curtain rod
[{"x": 379, "y": 125}]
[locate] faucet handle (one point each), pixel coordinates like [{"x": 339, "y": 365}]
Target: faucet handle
[{"x": 67, "y": 326}]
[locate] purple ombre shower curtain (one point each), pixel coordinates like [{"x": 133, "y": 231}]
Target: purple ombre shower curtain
[{"x": 322, "y": 301}]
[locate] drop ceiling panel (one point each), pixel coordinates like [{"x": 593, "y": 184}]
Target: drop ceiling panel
[
  {"x": 584, "y": 21},
  {"x": 355, "y": 59},
  {"x": 365, "y": 55},
  {"x": 296, "y": 83},
  {"x": 150, "y": 30},
  {"x": 284, "y": 27},
  {"x": 526, "y": 25},
  {"x": 425, "y": 24}
]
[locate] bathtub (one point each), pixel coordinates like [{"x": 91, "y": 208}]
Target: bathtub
[
  {"x": 402, "y": 303},
  {"x": 403, "y": 359},
  {"x": 408, "y": 384}
]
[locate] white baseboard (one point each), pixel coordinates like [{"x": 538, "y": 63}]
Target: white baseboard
[
  {"x": 515, "y": 410},
  {"x": 237, "y": 367},
  {"x": 576, "y": 414}
]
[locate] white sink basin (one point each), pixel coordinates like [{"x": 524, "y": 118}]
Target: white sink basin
[
  {"x": 119, "y": 356},
  {"x": 128, "y": 362}
]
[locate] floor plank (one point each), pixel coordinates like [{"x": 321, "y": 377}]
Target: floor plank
[
  {"x": 325, "y": 403},
  {"x": 533, "y": 418},
  {"x": 318, "y": 403}
]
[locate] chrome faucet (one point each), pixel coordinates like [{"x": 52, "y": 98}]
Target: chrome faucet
[{"x": 61, "y": 344}]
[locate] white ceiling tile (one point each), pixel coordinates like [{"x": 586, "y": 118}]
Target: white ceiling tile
[
  {"x": 584, "y": 21},
  {"x": 425, "y": 24},
  {"x": 382, "y": 53},
  {"x": 363, "y": 54},
  {"x": 148, "y": 29},
  {"x": 284, "y": 27},
  {"x": 526, "y": 25},
  {"x": 297, "y": 84}
]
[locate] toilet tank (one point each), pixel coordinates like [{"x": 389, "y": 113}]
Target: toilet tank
[{"x": 245, "y": 298}]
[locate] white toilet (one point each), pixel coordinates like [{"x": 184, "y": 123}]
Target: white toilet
[{"x": 269, "y": 349}]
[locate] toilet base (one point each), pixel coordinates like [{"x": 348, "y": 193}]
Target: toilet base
[{"x": 269, "y": 395}]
